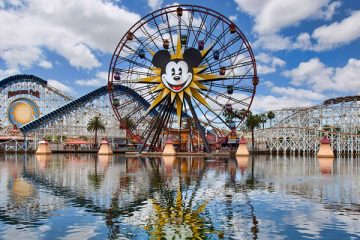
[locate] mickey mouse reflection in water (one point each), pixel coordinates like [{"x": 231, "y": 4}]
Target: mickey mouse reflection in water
[{"x": 177, "y": 74}]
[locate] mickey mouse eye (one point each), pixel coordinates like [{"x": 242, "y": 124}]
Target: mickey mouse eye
[
  {"x": 173, "y": 71},
  {"x": 180, "y": 71}
]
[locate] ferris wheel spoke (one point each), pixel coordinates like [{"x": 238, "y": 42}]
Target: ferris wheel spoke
[
  {"x": 144, "y": 116},
  {"x": 132, "y": 71},
  {"x": 131, "y": 113},
  {"x": 134, "y": 62},
  {"x": 212, "y": 111},
  {"x": 132, "y": 100},
  {"x": 169, "y": 31},
  {"x": 217, "y": 41},
  {"x": 215, "y": 78},
  {"x": 247, "y": 89},
  {"x": 227, "y": 56},
  {"x": 233, "y": 67},
  {"x": 189, "y": 26},
  {"x": 216, "y": 102},
  {"x": 231, "y": 98},
  {"x": 127, "y": 103},
  {"x": 134, "y": 52},
  {"x": 198, "y": 32},
  {"x": 211, "y": 29},
  {"x": 143, "y": 29},
  {"x": 158, "y": 29}
]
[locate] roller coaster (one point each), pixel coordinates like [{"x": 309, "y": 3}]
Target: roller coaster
[
  {"x": 299, "y": 130},
  {"x": 40, "y": 111}
]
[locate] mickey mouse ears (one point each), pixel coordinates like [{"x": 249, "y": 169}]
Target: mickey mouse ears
[
  {"x": 192, "y": 57},
  {"x": 161, "y": 58}
]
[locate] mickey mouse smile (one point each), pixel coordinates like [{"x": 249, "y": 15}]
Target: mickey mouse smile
[{"x": 177, "y": 87}]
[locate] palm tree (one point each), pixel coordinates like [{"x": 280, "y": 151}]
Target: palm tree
[
  {"x": 252, "y": 122},
  {"x": 94, "y": 178},
  {"x": 263, "y": 119},
  {"x": 270, "y": 116},
  {"x": 94, "y": 125}
]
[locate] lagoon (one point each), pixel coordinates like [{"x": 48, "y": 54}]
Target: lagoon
[{"x": 85, "y": 196}]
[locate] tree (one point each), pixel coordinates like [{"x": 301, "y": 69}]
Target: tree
[
  {"x": 94, "y": 125},
  {"x": 263, "y": 119},
  {"x": 270, "y": 116},
  {"x": 48, "y": 138},
  {"x": 252, "y": 122}
]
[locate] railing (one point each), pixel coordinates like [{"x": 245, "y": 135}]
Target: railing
[{"x": 17, "y": 146}]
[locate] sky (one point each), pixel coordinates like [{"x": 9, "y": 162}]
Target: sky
[{"x": 306, "y": 51}]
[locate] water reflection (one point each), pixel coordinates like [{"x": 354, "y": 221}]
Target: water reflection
[
  {"x": 326, "y": 165},
  {"x": 90, "y": 196}
]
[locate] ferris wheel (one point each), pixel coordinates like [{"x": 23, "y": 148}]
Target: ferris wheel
[{"x": 192, "y": 65}]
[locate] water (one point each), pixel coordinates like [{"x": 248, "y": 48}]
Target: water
[{"x": 85, "y": 197}]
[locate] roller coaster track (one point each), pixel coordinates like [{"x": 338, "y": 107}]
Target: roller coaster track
[
  {"x": 31, "y": 78},
  {"x": 324, "y": 104},
  {"x": 337, "y": 118},
  {"x": 79, "y": 103}
]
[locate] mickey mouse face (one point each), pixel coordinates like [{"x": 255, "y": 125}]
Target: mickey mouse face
[{"x": 177, "y": 74}]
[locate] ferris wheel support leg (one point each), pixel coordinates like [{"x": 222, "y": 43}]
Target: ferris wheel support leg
[
  {"x": 164, "y": 121},
  {"x": 160, "y": 116},
  {"x": 198, "y": 125}
]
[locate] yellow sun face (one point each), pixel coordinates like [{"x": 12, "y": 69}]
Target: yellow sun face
[{"x": 179, "y": 75}]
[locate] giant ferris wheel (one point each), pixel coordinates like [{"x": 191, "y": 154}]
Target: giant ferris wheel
[{"x": 192, "y": 65}]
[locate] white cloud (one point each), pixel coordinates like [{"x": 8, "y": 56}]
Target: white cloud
[
  {"x": 267, "y": 84},
  {"x": 233, "y": 17},
  {"x": 24, "y": 56},
  {"x": 253, "y": 7},
  {"x": 338, "y": 33},
  {"x": 273, "y": 15},
  {"x": 273, "y": 42},
  {"x": 100, "y": 80},
  {"x": 298, "y": 93},
  {"x": 8, "y": 72},
  {"x": 320, "y": 78},
  {"x": 268, "y": 64},
  {"x": 60, "y": 86},
  {"x": 45, "y": 64},
  {"x": 72, "y": 29},
  {"x": 285, "y": 97},
  {"x": 303, "y": 41},
  {"x": 323, "y": 38},
  {"x": 311, "y": 73},
  {"x": 314, "y": 83},
  {"x": 347, "y": 78},
  {"x": 154, "y": 4},
  {"x": 269, "y": 102}
]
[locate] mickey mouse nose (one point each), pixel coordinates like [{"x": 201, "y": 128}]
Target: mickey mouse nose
[{"x": 176, "y": 78}]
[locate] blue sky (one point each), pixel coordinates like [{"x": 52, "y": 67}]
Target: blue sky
[{"x": 307, "y": 51}]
